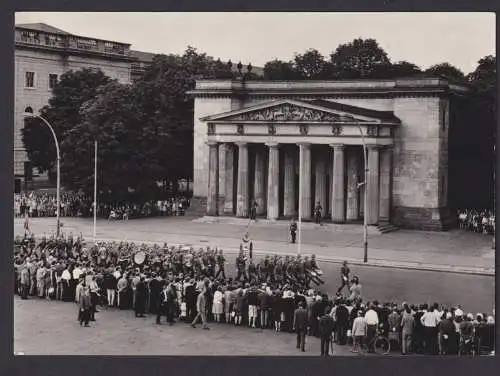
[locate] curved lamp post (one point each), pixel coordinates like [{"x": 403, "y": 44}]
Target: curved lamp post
[{"x": 58, "y": 192}]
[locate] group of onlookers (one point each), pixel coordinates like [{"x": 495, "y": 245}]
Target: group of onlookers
[
  {"x": 109, "y": 275},
  {"x": 480, "y": 221},
  {"x": 73, "y": 204}
]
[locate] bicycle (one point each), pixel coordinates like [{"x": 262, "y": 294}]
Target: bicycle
[{"x": 380, "y": 343}]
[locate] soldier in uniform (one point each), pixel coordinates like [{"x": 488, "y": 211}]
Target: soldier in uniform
[
  {"x": 317, "y": 213},
  {"x": 240, "y": 267},
  {"x": 293, "y": 230},
  {"x": 221, "y": 261},
  {"x": 344, "y": 277},
  {"x": 278, "y": 271},
  {"x": 253, "y": 210},
  {"x": 252, "y": 272}
]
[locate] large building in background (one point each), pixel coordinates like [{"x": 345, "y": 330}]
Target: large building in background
[
  {"x": 43, "y": 53},
  {"x": 248, "y": 137}
]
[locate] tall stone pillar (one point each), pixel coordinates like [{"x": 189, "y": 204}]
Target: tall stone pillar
[
  {"x": 242, "y": 193},
  {"x": 289, "y": 188},
  {"x": 385, "y": 184},
  {"x": 229, "y": 180},
  {"x": 320, "y": 186},
  {"x": 338, "y": 197},
  {"x": 305, "y": 179},
  {"x": 273, "y": 182},
  {"x": 353, "y": 196},
  {"x": 372, "y": 211},
  {"x": 259, "y": 183},
  {"x": 222, "y": 169},
  {"x": 213, "y": 179}
]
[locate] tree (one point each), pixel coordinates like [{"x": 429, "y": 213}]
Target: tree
[
  {"x": 280, "y": 70},
  {"x": 446, "y": 70},
  {"x": 361, "y": 58},
  {"x": 310, "y": 65},
  {"x": 74, "y": 89},
  {"x": 404, "y": 69},
  {"x": 484, "y": 77}
]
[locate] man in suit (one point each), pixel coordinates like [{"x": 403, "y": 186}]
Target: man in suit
[
  {"x": 300, "y": 325},
  {"x": 325, "y": 332}
]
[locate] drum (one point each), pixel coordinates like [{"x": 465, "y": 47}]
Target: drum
[{"x": 140, "y": 257}]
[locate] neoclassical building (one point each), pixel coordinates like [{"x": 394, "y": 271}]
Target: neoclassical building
[{"x": 252, "y": 139}]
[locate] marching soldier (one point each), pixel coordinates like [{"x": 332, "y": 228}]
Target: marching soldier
[
  {"x": 293, "y": 230},
  {"x": 240, "y": 266},
  {"x": 344, "y": 277},
  {"x": 221, "y": 261}
]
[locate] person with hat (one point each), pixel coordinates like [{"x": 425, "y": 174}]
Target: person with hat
[
  {"x": 299, "y": 325},
  {"x": 293, "y": 230}
]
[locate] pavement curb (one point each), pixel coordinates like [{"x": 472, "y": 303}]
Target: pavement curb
[{"x": 489, "y": 272}]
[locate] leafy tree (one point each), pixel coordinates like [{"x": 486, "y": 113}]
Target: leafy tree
[
  {"x": 62, "y": 112},
  {"x": 310, "y": 65},
  {"x": 280, "y": 70},
  {"x": 361, "y": 58},
  {"x": 404, "y": 69},
  {"x": 446, "y": 70}
]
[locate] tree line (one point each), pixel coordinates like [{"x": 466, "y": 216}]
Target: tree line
[{"x": 145, "y": 129}]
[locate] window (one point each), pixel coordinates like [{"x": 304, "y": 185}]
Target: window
[
  {"x": 52, "y": 81},
  {"x": 29, "y": 79}
]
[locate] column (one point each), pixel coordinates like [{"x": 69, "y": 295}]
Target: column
[
  {"x": 213, "y": 179},
  {"x": 305, "y": 179},
  {"x": 385, "y": 184},
  {"x": 372, "y": 211},
  {"x": 229, "y": 180},
  {"x": 338, "y": 199},
  {"x": 289, "y": 188},
  {"x": 353, "y": 197},
  {"x": 222, "y": 169},
  {"x": 273, "y": 182},
  {"x": 320, "y": 186},
  {"x": 242, "y": 193},
  {"x": 259, "y": 183}
]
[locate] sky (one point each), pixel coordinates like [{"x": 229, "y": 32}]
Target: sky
[{"x": 424, "y": 39}]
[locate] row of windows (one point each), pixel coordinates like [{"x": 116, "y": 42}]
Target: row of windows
[{"x": 30, "y": 80}]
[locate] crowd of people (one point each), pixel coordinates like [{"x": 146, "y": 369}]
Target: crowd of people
[
  {"x": 273, "y": 292},
  {"x": 480, "y": 221},
  {"x": 74, "y": 204}
]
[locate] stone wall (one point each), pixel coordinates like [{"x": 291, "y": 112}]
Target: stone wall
[{"x": 44, "y": 63}]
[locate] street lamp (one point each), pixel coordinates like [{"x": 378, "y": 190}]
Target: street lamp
[
  {"x": 364, "y": 183},
  {"x": 58, "y": 192}
]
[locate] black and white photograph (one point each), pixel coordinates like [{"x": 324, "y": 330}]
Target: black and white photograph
[{"x": 254, "y": 184}]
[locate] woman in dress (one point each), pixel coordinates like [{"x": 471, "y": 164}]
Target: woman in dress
[{"x": 217, "y": 305}]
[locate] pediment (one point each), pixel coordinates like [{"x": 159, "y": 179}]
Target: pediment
[{"x": 298, "y": 111}]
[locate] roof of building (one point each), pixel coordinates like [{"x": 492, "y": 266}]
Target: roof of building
[
  {"x": 145, "y": 57},
  {"x": 43, "y": 27},
  {"x": 336, "y": 106}
]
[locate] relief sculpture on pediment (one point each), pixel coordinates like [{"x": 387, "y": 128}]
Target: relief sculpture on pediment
[{"x": 288, "y": 112}]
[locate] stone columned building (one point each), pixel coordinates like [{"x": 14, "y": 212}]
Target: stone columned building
[{"x": 252, "y": 139}]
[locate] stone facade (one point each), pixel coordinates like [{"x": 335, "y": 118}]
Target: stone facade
[
  {"x": 404, "y": 123},
  {"x": 47, "y": 51}
]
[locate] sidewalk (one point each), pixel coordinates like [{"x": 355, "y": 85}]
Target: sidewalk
[{"x": 452, "y": 251}]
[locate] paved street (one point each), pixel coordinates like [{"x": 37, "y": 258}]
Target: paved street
[
  {"x": 474, "y": 292},
  {"x": 50, "y": 328},
  {"x": 39, "y": 324}
]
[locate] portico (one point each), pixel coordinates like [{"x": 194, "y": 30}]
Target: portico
[{"x": 266, "y": 145}]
